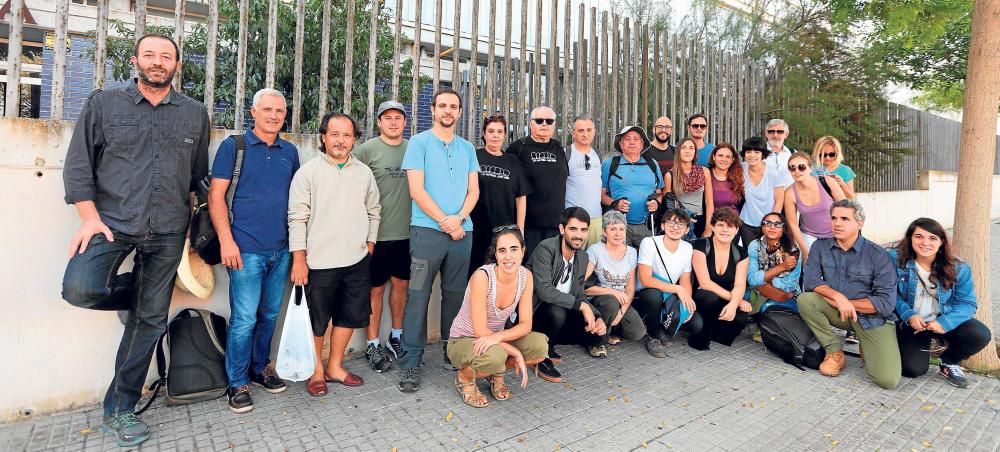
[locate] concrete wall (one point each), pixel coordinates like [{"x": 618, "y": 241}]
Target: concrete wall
[{"x": 60, "y": 357}]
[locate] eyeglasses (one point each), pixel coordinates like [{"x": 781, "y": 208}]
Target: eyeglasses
[
  {"x": 508, "y": 227},
  {"x": 773, "y": 224},
  {"x": 802, "y": 167},
  {"x": 698, "y": 126},
  {"x": 546, "y": 121},
  {"x": 662, "y": 127},
  {"x": 586, "y": 162},
  {"x": 775, "y": 132},
  {"x": 675, "y": 224},
  {"x": 830, "y": 155}
]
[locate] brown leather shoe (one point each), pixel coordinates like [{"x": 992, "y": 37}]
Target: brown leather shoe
[{"x": 833, "y": 364}]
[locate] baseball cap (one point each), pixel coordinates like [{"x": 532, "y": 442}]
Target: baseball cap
[{"x": 390, "y": 105}]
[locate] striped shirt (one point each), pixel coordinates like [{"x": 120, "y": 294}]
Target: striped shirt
[{"x": 495, "y": 318}]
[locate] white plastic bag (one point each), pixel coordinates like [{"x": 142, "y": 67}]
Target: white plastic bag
[{"x": 296, "y": 351}]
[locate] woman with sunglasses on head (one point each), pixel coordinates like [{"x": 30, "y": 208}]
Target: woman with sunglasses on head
[
  {"x": 689, "y": 182},
  {"x": 478, "y": 344},
  {"x": 935, "y": 299},
  {"x": 612, "y": 263},
  {"x": 503, "y": 189},
  {"x": 829, "y": 157},
  {"x": 720, "y": 273},
  {"x": 726, "y": 182},
  {"x": 775, "y": 267},
  {"x": 808, "y": 200}
]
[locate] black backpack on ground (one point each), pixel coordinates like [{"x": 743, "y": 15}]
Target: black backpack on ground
[
  {"x": 204, "y": 240},
  {"x": 785, "y": 334},
  {"x": 196, "y": 371}
]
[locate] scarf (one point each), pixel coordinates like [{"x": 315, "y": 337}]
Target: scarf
[
  {"x": 767, "y": 259},
  {"x": 694, "y": 180}
]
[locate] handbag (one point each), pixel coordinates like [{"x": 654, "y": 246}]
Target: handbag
[{"x": 296, "y": 358}]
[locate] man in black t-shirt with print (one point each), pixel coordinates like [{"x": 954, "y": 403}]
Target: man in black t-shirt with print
[
  {"x": 544, "y": 163},
  {"x": 659, "y": 147}
]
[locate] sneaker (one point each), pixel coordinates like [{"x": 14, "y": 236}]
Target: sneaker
[
  {"x": 757, "y": 337},
  {"x": 128, "y": 430},
  {"x": 598, "y": 351},
  {"x": 395, "y": 347},
  {"x": 409, "y": 380},
  {"x": 851, "y": 337},
  {"x": 546, "y": 370},
  {"x": 377, "y": 358},
  {"x": 555, "y": 357},
  {"x": 954, "y": 374},
  {"x": 239, "y": 399},
  {"x": 447, "y": 362},
  {"x": 656, "y": 348},
  {"x": 268, "y": 380},
  {"x": 832, "y": 364}
]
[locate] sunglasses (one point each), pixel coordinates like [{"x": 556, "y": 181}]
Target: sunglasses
[
  {"x": 773, "y": 224},
  {"x": 698, "y": 126},
  {"x": 776, "y": 132},
  {"x": 586, "y": 162},
  {"x": 830, "y": 155},
  {"x": 509, "y": 227},
  {"x": 546, "y": 121},
  {"x": 802, "y": 167}
]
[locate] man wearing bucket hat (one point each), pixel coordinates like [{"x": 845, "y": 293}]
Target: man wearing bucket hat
[
  {"x": 391, "y": 260},
  {"x": 254, "y": 245},
  {"x": 632, "y": 183}
]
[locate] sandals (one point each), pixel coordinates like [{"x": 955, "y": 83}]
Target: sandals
[
  {"x": 470, "y": 393},
  {"x": 498, "y": 389}
]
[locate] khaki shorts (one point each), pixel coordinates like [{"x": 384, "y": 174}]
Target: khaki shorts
[{"x": 533, "y": 346}]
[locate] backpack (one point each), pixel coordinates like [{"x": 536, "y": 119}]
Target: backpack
[
  {"x": 196, "y": 371},
  {"x": 616, "y": 161},
  {"x": 204, "y": 240},
  {"x": 785, "y": 334}
]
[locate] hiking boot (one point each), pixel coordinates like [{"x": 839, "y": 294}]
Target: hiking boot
[
  {"x": 851, "y": 337},
  {"x": 656, "y": 348},
  {"x": 598, "y": 351},
  {"x": 832, "y": 364},
  {"x": 446, "y": 364},
  {"x": 395, "y": 347},
  {"x": 546, "y": 370},
  {"x": 954, "y": 374},
  {"x": 127, "y": 429},
  {"x": 377, "y": 358},
  {"x": 409, "y": 380},
  {"x": 239, "y": 399},
  {"x": 268, "y": 380}
]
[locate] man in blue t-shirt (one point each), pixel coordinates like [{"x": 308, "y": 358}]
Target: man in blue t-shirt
[
  {"x": 635, "y": 185},
  {"x": 443, "y": 175},
  {"x": 697, "y": 126},
  {"x": 254, "y": 243}
]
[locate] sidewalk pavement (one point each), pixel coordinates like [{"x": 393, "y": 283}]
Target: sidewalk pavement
[{"x": 725, "y": 399}]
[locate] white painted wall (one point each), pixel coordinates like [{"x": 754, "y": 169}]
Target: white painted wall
[{"x": 60, "y": 356}]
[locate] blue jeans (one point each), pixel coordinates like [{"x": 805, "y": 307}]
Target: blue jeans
[
  {"x": 432, "y": 251},
  {"x": 92, "y": 281},
  {"x": 255, "y": 296}
]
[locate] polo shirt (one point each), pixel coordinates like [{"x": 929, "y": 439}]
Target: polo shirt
[
  {"x": 260, "y": 203},
  {"x": 446, "y": 168},
  {"x": 633, "y": 181}
]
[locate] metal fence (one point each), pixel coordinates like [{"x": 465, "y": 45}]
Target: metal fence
[
  {"x": 610, "y": 67},
  {"x": 934, "y": 141}
]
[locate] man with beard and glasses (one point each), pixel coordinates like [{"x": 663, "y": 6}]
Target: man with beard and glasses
[
  {"x": 391, "y": 259},
  {"x": 660, "y": 148},
  {"x": 254, "y": 245},
  {"x": 776, "y": 132},
  {"x": 443, "y": 175},
  {"x": 562, "y": 311},
  {"x": 544, "y": 162},
  {"x": 134, "y": 161}
]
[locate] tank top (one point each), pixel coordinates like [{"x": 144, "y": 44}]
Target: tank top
[
  {"x": 495, "y": 318},
  {"x": 815, "y": 219},
  {"x": 721, "y": 194}
]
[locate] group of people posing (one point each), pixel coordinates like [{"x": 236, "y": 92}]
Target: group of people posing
[{"x": 535, "y": 244}]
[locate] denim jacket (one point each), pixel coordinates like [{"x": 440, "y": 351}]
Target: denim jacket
[
  {"x": 957, "y": 304},
  {"x": 755, "y": 276}
]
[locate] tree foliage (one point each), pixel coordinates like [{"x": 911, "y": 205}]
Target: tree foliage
[{"x": 120, "y": 49}]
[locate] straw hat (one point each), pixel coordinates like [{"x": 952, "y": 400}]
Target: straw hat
[{"x": 194, "y": 276}]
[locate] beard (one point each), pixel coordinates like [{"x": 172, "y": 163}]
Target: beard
[
  {"x": 446, "y": 121},
  {"x": 573, "y": 244},
  {"x": 664, "y": 140},
  {"x": 147, "y": 79}
]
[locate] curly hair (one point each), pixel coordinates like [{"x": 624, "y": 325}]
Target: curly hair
[
  {"x": 734, "y": 175},
  {"x": 727, "y": 215}
]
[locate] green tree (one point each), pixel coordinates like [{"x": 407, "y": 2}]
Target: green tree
[{"x": 120, "y": 49}]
